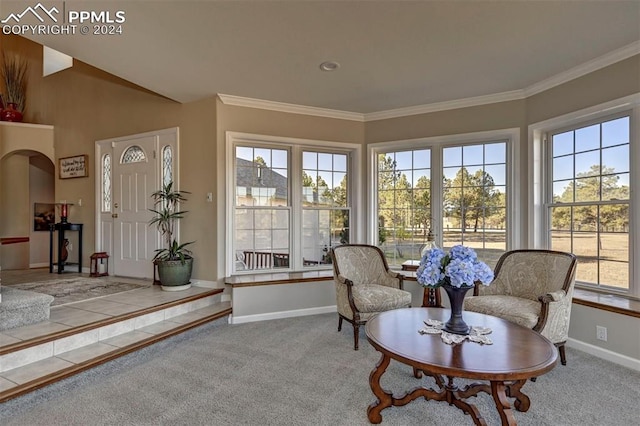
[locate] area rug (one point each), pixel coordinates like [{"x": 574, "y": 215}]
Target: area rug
[{"x": 76, "y": 289}]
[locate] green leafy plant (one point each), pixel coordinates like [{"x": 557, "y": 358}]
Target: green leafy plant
[
  {"x": 14, "y": 73},
  {"x": 167, "y": 202}
]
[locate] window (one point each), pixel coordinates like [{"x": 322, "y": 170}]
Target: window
[
  {"x": 459, "y": 187},
  {"x": 404, "y": 203},
  {"x": 262, "y": 208},
  {"x": 167, "y": 165},
  {"x": 475, "y": 198},
  {"x": 106, "y": 183},
  {"x": 585, "y": 167},
  {"x": 133, "y": 154},
  {"x": 325, "y": 212},
  {"x": 588, "y": 205},
  {"x": 291, "y": 203}
]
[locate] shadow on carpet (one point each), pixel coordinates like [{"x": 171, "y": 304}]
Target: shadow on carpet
[{"x": 76, "y": 289}]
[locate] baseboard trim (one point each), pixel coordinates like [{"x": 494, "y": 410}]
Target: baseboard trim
[
  {"x": 605, "y": 354},
  {"x": 233, "y": 319},
  {"x": 38, "y": 265}
]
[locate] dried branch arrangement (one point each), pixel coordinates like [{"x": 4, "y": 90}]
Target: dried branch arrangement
[{"x": 14, "y": 72}]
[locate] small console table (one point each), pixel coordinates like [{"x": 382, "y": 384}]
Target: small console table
[{"x": 63, "y": 227}]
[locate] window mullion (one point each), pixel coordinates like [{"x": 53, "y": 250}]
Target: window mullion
[
  {"x": 295, "y": 196},
  {"x": 437, "y": 193}
]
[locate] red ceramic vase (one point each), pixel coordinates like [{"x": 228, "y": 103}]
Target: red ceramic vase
[{"x": 10, "y": 113}]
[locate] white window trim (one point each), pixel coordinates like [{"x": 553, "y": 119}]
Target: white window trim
[
  {"x": 538, "y": 188},
  {"x": 512, "y": 136},
  {"x": 355, "y": 184}
]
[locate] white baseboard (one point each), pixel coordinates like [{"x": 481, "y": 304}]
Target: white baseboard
[
  {"x": 38, "y": 265},
  {"x": 283, "y": 314},
  {"x": 605, "y": 354}
]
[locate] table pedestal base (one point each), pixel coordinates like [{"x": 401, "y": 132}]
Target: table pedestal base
[{"x": 450, "y": 393}]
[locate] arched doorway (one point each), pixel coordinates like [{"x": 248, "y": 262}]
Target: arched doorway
[{"x": 27, "y": 178}]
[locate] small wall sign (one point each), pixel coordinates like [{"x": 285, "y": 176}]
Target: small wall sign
[{"x": 74, "y": 167}]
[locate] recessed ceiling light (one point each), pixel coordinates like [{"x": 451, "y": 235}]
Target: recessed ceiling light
[{"x": 329, "y": 66}]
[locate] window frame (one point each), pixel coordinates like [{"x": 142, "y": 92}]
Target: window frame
[
  {"x": 540, "y": 179},
  {"x": 436, "y": 144},
  {"x": 295, "y": 146}
]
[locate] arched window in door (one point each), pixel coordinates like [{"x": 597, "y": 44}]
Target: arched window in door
[
  {"x": 133, "y": 154},
  {"x": 106, "y": 183}
]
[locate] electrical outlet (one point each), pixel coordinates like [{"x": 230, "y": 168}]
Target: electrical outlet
[{"x": 601, "y": 333}]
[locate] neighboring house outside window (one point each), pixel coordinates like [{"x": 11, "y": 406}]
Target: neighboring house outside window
[
  {"x": 459, "y": 187},
  {"x": 586, "y": 187},
  {"x": 290, "y": 204}
]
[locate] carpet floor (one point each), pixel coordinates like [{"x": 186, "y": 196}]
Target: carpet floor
[
  {"x": 299, "y": 371},
  {"x": 75, "y": 289}
]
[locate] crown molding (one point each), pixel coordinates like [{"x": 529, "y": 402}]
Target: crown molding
[
  {"x": 605, "y": 60},
  {"x": 447, "y": 105},
  {"x": 290, "y": 108}
]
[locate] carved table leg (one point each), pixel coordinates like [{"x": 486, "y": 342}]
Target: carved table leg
[
  {"x": 498, "y": 391},
  {"x": 522, "y": 402},
  {"x": 384, "y": 398}
]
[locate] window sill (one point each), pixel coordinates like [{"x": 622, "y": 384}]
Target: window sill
[
  {"x": 279, "y": 278},
  {"x": 607, "y": 302}
]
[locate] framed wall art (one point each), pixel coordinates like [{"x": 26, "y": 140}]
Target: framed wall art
[
  {"x": 74, "y": 167},
  {"x": 44, "y": 214}
]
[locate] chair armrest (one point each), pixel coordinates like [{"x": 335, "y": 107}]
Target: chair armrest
[
  {"x": 343, "y": 280},
  {"x": 552, "y": 297},
  {"x": 393, "y": 279}
]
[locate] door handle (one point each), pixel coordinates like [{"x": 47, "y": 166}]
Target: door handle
[{"x": 114, "y": 215}]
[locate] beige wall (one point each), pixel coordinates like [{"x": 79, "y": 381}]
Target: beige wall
[
  {"x": 613, "y": 82},
  {"x": 41, "y": 190},
  {"x": 14, "y": 197}
]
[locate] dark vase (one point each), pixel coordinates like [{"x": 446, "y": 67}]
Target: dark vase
[
  {"x": 456, "y": 324},
  {"x": 10, "y": 113},
  {"x": 64, "y": 252}
]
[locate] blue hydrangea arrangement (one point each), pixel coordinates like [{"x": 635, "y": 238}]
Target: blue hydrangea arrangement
[{"x": 459, "y": 268}]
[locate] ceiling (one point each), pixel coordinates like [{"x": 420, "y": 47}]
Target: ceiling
[{"x": 392, "y": 54}]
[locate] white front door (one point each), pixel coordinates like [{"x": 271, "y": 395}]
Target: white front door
[
  {"x": 135, "y": 172},
  {"x": 131, "y": 168}
]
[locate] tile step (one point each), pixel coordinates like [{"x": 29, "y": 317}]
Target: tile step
[{"x": 27, "y": 367}]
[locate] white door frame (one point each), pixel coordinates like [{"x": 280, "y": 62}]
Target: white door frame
[{"x": 165, "y": 137}]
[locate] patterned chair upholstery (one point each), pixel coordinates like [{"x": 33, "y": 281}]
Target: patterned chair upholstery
[
  {"x": 364, "y": 285},
  {"x": 532, "y": 288}
]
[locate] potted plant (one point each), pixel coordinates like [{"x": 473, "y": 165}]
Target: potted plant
[
  {"x": 174, "y": 260},
  {"x": 13, "y": 71}
]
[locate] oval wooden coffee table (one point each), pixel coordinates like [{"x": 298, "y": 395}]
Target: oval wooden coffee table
[{"x": 516, "y": 355}]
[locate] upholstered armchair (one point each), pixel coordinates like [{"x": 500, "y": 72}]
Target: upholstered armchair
[
  {"x": 532, "y": 288},
  {"x": 364, "y": 285}
]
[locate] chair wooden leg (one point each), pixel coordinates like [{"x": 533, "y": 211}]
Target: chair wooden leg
[
  {"x": 356, "y": 334},
  {"x": 339, "y": 323},
  {"x": 563, "y": 356}
]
